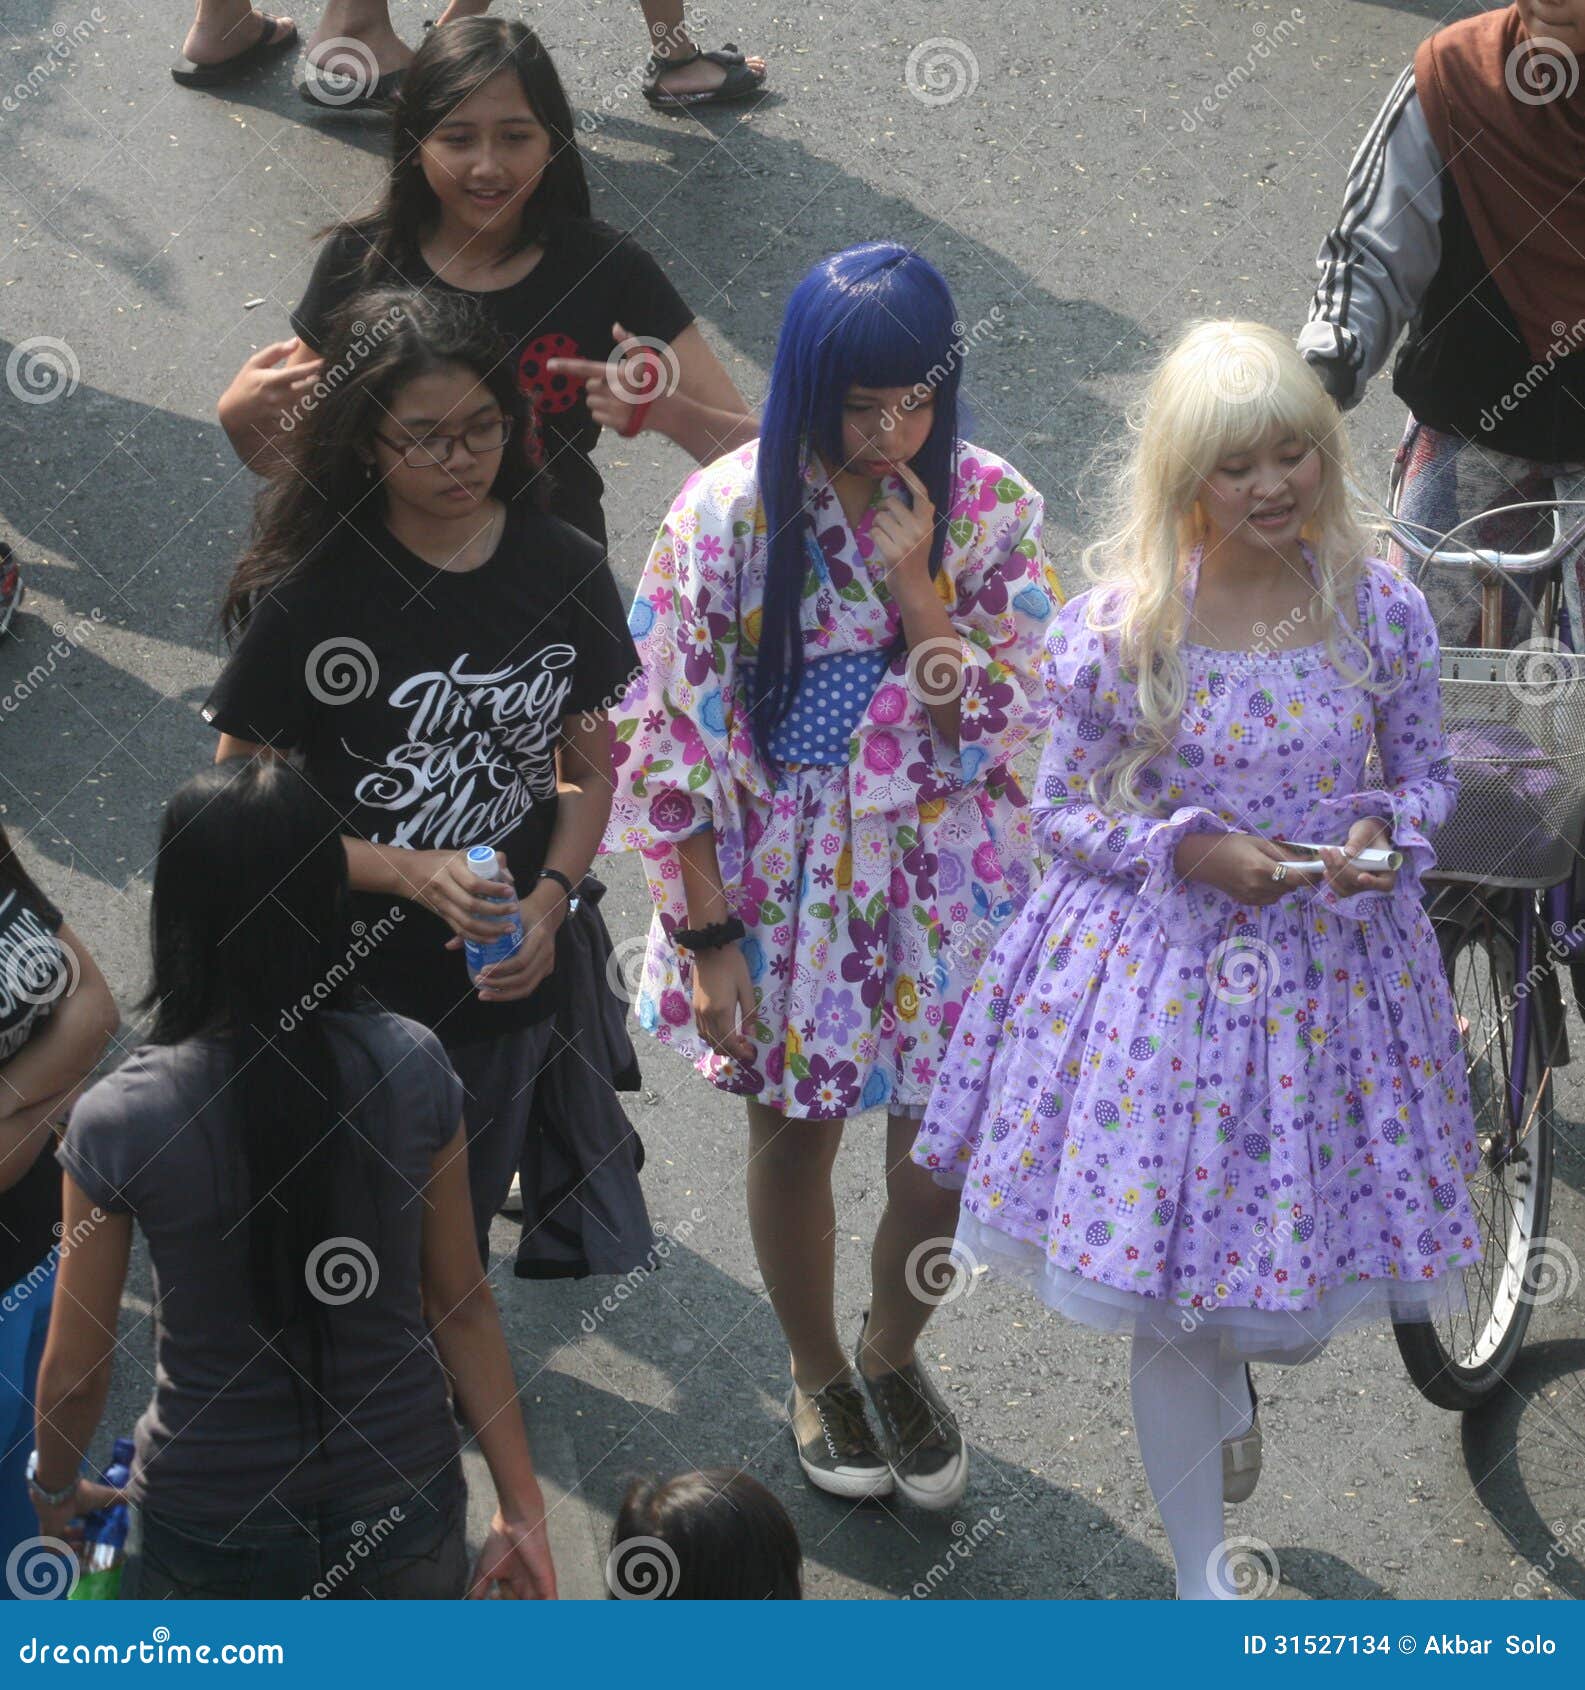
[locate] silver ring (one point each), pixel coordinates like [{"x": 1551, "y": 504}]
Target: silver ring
[{"x": 1280, "y": 873}]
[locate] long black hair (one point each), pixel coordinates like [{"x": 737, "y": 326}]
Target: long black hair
[
  {"x": 378, "y": 342},
  {"x": 454, "y": 62},
  {"x": 250, "y": 942}
]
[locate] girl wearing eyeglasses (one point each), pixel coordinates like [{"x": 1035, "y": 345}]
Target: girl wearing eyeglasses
[{"x": 440, "y": 651}]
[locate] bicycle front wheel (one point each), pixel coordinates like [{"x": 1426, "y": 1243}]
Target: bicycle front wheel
[{"x": 1459, "y": 1361}]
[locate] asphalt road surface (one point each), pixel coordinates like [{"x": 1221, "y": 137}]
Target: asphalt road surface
[{"x": 1088, "y": 176}]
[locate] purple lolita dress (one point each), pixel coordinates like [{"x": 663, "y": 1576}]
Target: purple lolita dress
[{"x": 1164, "y": 1107}]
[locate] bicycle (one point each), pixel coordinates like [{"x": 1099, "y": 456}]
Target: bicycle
[{"x": 1508, "y": 906}]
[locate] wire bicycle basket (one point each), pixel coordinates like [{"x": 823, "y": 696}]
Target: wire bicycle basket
[
  {"x": 1514, "y": 718},
  {"x": 1515, "y": 726}
]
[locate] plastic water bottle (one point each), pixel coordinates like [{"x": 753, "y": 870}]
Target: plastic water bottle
[
  {"x": 105, "y": 1535},
  {"x": 486, "y": 862}
]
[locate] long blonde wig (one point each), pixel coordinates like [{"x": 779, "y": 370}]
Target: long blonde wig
[{"x": 1223, "y": 388}]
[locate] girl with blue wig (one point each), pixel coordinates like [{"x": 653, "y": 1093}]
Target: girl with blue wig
[{"x": 840, "y": 625}]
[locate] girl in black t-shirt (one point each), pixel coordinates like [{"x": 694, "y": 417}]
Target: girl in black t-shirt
[
  {"x": 487, "y": 197},
  {"x": 56, "y": 1017},
  {"x": 442, "y": 655}
]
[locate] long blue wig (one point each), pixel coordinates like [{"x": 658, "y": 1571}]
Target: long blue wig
[{"x": 876, "y": 315}]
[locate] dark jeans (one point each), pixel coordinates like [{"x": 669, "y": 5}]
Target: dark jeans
[
  {"x": 404, "y": 1543},
  {"x": 498, "y": 1078}
]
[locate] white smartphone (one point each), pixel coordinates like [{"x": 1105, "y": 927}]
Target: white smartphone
[{"x": 1374, "y": 860}]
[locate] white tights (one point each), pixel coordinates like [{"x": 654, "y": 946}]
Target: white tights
[{"x": 1187, "y": 1398}]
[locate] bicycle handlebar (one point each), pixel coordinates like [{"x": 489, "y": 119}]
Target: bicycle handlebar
[{"x": 1483, "y": 557}]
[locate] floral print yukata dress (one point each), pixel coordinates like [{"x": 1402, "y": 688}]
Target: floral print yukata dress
[
  {"x": 872, "y": 877},
  {"x": 1165, "y": 1108}
]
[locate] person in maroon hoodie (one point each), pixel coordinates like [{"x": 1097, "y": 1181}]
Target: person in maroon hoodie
[{"x": 1463, "y": 224}]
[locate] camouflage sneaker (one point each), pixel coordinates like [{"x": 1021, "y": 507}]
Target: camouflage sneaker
[
  {"x": 836, "y": 1447},
  {"x": 923, "y": 1445},
  {"x": 10, "y": 586}
]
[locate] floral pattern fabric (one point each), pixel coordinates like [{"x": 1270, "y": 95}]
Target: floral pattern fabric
[
  {"x": 1158, "y": 1098},
  {"x": 871, "y": 888}
]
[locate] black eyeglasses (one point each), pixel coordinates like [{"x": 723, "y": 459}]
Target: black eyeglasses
[{"x": 437, "y": 448}]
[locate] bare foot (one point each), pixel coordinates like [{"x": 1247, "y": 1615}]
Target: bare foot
[
  {"x": 463, "y": 9},
  {"x": 366, "y": 22},
  {"x": 390, "y": 51},
  {"x": 223, "y": 36}
]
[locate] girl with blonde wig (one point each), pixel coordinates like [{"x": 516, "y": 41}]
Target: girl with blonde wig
[{"x": 1200, "y": 1093}]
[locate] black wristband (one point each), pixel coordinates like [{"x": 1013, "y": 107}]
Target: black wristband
[
  {"x": 562, "y": 881},
  {"x": 711, "y": 938}
]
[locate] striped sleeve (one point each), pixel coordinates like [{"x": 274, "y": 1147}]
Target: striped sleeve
[{"x": 1378, "y": 261}]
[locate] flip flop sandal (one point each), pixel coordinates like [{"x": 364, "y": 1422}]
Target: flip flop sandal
[
  {"x": 740, "y": 83},
  {"x": 340, "y": 93},
  {"x": 275, "y": 37}
]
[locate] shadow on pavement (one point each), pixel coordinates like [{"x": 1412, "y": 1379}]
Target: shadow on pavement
[{"x": 1526, "y": 1456}]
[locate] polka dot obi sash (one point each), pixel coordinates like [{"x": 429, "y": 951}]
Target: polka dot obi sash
[{"x": 832, "y": 697}]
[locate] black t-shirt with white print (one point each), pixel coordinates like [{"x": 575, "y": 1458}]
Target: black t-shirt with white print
[
  {"x": 427, "y": 705},
  {"x": 590, "y": 277},
  {"x": 31, "y": 973}
]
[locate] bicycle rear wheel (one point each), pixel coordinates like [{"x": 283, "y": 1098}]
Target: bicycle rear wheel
[{"x": 1458, "y": 1362}]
